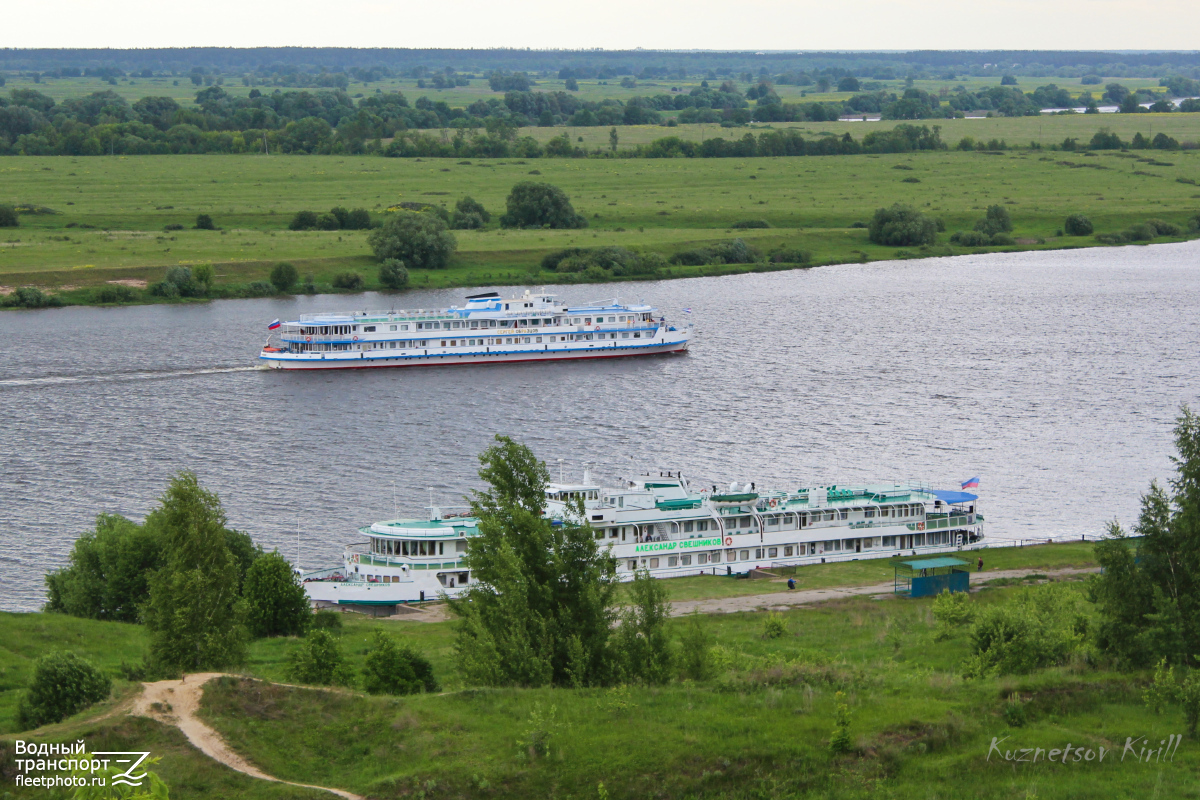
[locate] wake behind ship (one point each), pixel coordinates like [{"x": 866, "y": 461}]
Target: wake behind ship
[{"x": 532, "y": 327}]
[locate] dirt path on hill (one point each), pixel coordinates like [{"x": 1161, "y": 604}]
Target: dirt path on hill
[
  {"x": 779, "y": 601},
  {"x": 176, "y": 702}
]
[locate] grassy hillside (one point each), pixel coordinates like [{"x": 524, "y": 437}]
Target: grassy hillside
[
  {"x": 112, "y": 212},
  {"x": 758, "y": 729}
]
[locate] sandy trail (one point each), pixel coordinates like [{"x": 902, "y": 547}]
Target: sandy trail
[{"x": 176, "y": 702}]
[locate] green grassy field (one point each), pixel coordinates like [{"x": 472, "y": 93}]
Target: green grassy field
[
  {"x": 876, "y": 571},
  {"x": 112, "y": 212},
  {"x": 758, "y": 729}
]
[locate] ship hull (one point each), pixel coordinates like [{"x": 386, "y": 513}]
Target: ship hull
[{"x": 423, "y": 358}]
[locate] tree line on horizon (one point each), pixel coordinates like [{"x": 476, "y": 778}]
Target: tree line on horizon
[{"x": 331, "y": 121}]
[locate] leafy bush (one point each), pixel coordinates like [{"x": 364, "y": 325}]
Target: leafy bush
[
  {"x": 733, "y": 252},
  {"x": 327, "y": 222},
  {"x": 284, "y": 276},
  {"x": 1140, "y": 232},
  {"x": 393, "y": 274},
  {"x": 319, "y": 660},
  {"x": 327, "y": 620},
  {"x": 839, "y": 739},
  {"x": 1183, "y": 691},
  {"x": 258, "y": 289},
  {"x": 970, "y": 239},
  {"x": 348, "y": 280},
  {"x": 303, "y": 221},
  {"x": 751, "y": 223},
  {"x": 173, "y": 226},
  {"x": 420, "y": 240},
  {"x": 116, "y": 293},
  {"x": 774, "y": 626},
  {"x": 610, "y": 260},
  {"x": 1077, "y": 225},
  {"x": 205, "y": 223},
  {"x": 901, "y": 225},
  {"x": 1164, "y": 228},
  {"x": 9, "y": 217},
  {"x": 789, "y": 256},
  {"x": 641, "y": 642},
  {"x": 540, "y": 205},
  {"x": 910, "y": 179},
  {"x": 179, "y": 282},
  {"x": 952, "y": 610},
  {"x": 469, "y": 214},
  {"x": 392, "y": 668},
  {"x": 1002, "y": 240},
  {"x": 108, "y": 572},
  {"x": 31, "y": 297},
  {"x": 359, "y": 219},
  {"x": 1038, "y": 627},
  {"x": 63, "y": 684},
  {"x": 996, "y": 220},
  {"x": 276, "y": 603},
  {"x": 695, "y": 650}
]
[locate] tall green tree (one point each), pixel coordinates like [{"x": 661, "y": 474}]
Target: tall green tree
[
  {"x": 276, "y": 604},
  {"x": 1148, "y": 592},
  {"x": 418, "y": 239},
  {"x": 540, "y": 205},
  {"x": 193, "y": 613},
  {"x": 540, "y": 608},
  {"x": 109, "y": 572}
]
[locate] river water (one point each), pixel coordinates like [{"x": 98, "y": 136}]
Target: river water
[{"x": 1054, "y": 376}]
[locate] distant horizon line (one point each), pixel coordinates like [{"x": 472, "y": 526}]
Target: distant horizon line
[{"x": 747, "y": 51}]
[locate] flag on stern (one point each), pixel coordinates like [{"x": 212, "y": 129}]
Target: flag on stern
[
  {"x": 274, "y": 325},
  {"x": 973, "y": 483}
]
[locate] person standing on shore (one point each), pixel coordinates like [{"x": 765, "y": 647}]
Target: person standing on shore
[{"x": 981, "y": 563}]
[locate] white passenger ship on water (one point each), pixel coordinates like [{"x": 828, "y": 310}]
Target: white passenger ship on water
[
  {"x": 670, "y": 528},
  {"x": 489, "y": 329}
]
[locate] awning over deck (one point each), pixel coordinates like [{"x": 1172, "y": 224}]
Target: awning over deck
[{"x": 954, "y": 498}]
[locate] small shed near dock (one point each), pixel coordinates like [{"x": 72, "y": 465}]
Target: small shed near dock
[{"x": 926, "y": 577}]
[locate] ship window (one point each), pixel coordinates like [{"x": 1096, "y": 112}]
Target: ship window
[
  {"x": 633, "y": 564},
  {"x": 654, "y": 563},
  {"x": 702, "y": 558},
  {"x": 772, "y": 552},
  {"x": 674, "y": 527},
  {"x": 672, "y": 561},
  {"x": 687, "y": 527},
  {"x": 772, "y": 520},
  {"x": 745, "y": 555},
  {"x": 423, "y": 549},
  {"x": 787, "y": 551},
  {"x": 870, "y": 512},
  {"x": 612, "y": 533},
  {"x": 539, "y": 340},
  {"x": 368, "y": 329},
  {"x": 702, "y": 525},
  {"x": 460, "y": 546},
  {"x": 844, "y": 513}
]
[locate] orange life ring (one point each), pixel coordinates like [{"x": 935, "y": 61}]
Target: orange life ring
[
  {"x": 774, "y": 502},
  {"x": 920, "y": 526},
  {"x": 308, "y": 338},
  {"x": 355, "y": 339},
  {"x": 728, "y": 540}
]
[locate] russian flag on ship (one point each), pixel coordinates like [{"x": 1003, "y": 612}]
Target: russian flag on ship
[
  {"x": 973, "y": 483},
  {"x": 274, "y": 325}
]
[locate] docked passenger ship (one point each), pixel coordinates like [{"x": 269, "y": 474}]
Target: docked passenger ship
[
  {"x": 669, "y": 527},
  {"x": 488, "y": 329}
]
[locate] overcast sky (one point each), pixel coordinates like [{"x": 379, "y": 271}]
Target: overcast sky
[{"x": 613, "y": 24}]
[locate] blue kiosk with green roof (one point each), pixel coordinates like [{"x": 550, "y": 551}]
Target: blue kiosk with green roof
[{"x": 927, "y": 577}]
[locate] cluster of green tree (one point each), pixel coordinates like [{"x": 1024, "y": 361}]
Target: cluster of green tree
[
  {"x": 201, "y": 588},
  {"x": 993, "y": 229},
  {"x": 542, "y": 609},
  {"x": 389, "y": 667},
  {"x": 338, "y": 219},
  {"x": 1148, "y": 592},
  {"x": 600, "y": 263},
  {"x": 1144, "y": 232}
]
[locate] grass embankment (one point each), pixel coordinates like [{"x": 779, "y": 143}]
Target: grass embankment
[
  {"x": 871, "y": 572},
  {"x": 758, "y": 729},
  {"x": 112, "y": 212}
]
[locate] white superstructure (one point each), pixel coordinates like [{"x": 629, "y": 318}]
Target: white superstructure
[
  {"x": 488, "y": 329},
  {"x": 667, "y": 526}
]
